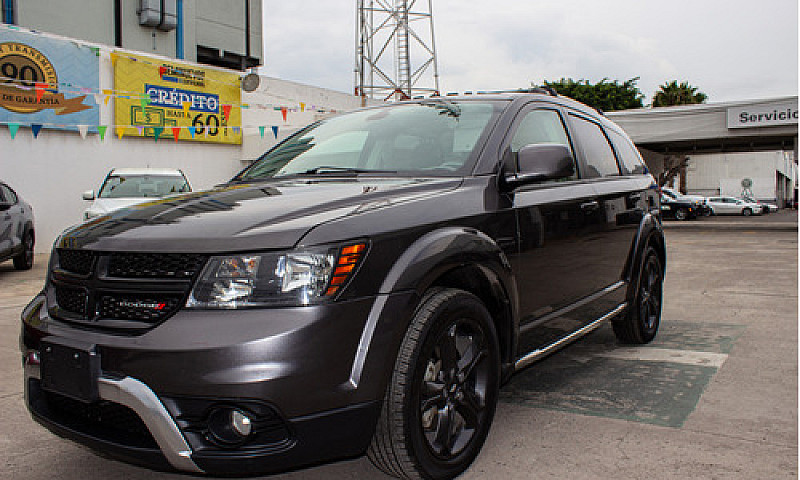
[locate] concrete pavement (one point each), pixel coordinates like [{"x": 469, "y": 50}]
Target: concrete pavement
[{"x": 713, "y": 397}]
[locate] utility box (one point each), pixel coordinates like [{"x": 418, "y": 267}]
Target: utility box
[{"x": 161, "y": 14}]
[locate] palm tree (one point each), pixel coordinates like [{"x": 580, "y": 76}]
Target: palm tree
[{"x": 673, "y": 94}]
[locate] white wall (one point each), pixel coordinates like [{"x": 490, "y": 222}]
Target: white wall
[
  {"x": 707, "y": 174},
  {"x": 52, "y": 171}
]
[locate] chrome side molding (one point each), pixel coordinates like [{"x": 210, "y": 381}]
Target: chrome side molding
[{"x": 531, "y": 357}]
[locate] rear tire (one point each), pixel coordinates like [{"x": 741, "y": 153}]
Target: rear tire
[
  {"x": 442, "y": 395},
  {"x": 681, "y": 214},
  {"x": 640, "y": 323},
  {"x": 747, "y": 212},
  {"x": 24, "y": 261}
]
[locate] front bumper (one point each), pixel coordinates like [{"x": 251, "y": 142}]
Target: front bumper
[{"x": 314, "y": 376}]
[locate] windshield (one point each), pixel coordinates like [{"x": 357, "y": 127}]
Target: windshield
[
  {"x": 433, "y": 137},
  {"x": 127, "y": 186}
]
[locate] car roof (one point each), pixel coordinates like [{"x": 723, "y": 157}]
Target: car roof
[{"x": 146, "y": 171}]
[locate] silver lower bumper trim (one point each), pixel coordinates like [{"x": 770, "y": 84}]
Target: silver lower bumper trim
[{"x": 138, "y": 397}]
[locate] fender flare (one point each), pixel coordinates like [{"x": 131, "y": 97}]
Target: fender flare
[
  {"x": 650, "y": 230},
  {"x": 442, "y": 250}
]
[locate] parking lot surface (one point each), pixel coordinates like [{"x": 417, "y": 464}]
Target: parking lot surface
[{"x": 714, "y": 396}]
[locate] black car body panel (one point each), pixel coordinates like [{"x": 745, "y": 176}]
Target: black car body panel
[{"x": 547, "y": 258}]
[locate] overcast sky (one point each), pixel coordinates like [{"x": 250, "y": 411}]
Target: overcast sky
[{"x": 730, "y": 49}]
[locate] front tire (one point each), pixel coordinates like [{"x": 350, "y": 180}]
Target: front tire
[
  {"x": 747, "y": 212},
  {"x": 640, "y": 323},
  {"x": 441, "y": 398},
  {"x": 24, "y": 261},
  {"x": 681, "y": 214}
]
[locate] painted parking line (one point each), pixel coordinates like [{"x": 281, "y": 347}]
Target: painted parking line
[{"x": 652, "y": 354}]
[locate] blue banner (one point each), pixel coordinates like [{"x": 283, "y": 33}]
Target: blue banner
[{"x": 47, "y": 81}]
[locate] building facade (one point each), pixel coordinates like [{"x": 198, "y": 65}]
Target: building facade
[
  {"x": 221, "y": 33},
  {"x": 731, "y": 148}
]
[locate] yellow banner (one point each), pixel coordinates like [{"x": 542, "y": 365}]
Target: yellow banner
[{"x": 155, "y": 97}]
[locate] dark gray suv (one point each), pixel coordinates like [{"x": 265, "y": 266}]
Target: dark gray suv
[
  {"x": 365, "y": 286},
  {"x": 17, "y": 235}
]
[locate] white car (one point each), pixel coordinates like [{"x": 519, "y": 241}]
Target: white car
[
  {"x": 124, "y": 187},
  {"x": 765, "y": 206},
  {"x": 733, "y": 206}
]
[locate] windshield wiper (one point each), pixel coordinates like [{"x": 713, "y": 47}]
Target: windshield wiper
[{"x": 330, "y": 169}]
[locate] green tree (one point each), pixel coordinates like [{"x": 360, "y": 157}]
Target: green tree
[
  {"x": 604, "y": 95},
  {"x": 672, "y": 93}
]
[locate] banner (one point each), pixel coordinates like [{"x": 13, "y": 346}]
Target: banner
[
  {"x": 37, "y": 75},
  {"x": 173, "y": 99}
]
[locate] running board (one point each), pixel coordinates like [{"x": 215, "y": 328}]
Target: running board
[{"x": 542, "y": 352}]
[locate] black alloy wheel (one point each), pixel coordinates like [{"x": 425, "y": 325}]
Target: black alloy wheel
[
  {"x": 452, "y": 392},
  {"x": 24, "y": 261},
  {"x": 681, "y": 214},
  {"x": 643, "y": 317},
  {"x": 442, "y": 396}
]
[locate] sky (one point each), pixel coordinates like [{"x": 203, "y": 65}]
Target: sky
[{"x": 729, "y": 49}]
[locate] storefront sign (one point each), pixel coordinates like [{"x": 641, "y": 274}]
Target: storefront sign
[
  {"x": 47, "y": 81},
  {"x": 766, "y": 115},
  {"x": 155, "y": 96}
]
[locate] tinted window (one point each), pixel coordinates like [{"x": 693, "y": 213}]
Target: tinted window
[
  {"x": 632, "y": 163},
  {"x": 125, "y": 186},
  {"x": 600, "y": 160},
  {"x": 537, "y": 127},
  {"x": 7, "y": 195}
]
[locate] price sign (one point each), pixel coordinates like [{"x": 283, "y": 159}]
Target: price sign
[{"x": 155, "y": 95}]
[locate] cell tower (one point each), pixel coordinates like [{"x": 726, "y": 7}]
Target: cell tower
[{"x": 395, "y": 51}]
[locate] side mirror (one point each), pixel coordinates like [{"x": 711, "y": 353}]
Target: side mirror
[
  {"x": 88, "y": 195},
  {"x": 541, "y": 162}
]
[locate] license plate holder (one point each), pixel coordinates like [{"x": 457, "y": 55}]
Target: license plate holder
[{"x": 70, "y": 368}]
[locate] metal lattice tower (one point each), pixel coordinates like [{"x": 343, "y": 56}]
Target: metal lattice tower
[{"x": 395, "y": 50}]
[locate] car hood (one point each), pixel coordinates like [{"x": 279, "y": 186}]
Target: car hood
[
  {"x": 255, "y": 216},
  {"x": 102, "y": 206}
]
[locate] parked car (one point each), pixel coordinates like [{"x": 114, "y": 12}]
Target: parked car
[
  {"x": 679, "y": 209},
  {"x": 700, "y": 203},
  {"x": 733, "y": 206},
  {"x": 365, "y": 286},
  {"x": 17, "y": 235},
  {"x": 124, "y": 187},
  {"x": 766, "y": 207}
]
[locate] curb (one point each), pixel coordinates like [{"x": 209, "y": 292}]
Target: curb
[{"x": 700, "y": 225}]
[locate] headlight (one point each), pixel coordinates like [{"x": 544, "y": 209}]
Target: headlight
[{"x": 299, "y": 277}]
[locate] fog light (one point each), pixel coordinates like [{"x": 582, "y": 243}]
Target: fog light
[
  {"x": 241, "y": 423},
  {"x": 229, "y": 426}
]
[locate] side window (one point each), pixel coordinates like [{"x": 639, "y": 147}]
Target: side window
[
  {"x": 540, "y": 126},
  {"x": 632, "y": 163},
  {"x": 6, "y": 195},
  {"x": 600, "y": 160}
]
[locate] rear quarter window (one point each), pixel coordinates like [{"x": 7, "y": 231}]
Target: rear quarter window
[{"x": 629, "y": 157}]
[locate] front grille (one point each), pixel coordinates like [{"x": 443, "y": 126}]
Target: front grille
[
  {"x": 103, "y": 415},
  {"x": 128, "y": 292},
  {"x": 143, "y": 308},
  {"x": 72, "y": 299},
  {"x": 76, "y": 261},
  {"x": 154, "y": 265}
]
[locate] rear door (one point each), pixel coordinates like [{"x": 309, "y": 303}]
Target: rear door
[{"x": 625, "y": 193}]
